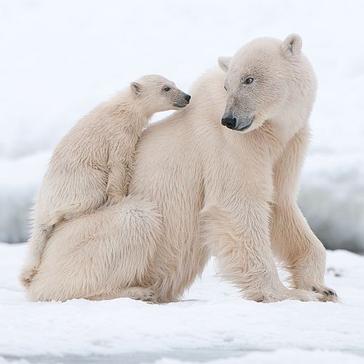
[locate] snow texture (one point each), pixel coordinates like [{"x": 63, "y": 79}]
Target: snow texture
[
  {"x": 211, "y": 323},
  {"x": 60, "y": 58},
  {"x": 281, "y": 356}
]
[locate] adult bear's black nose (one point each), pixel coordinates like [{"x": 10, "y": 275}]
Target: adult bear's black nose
[
  {"x": 188, "y": 98},
  {"x": 229, "y": 121}
]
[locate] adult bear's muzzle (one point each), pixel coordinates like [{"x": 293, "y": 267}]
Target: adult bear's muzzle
[
  {"x": 234, "y": 123},
  {"x": 229, "y": 121}
]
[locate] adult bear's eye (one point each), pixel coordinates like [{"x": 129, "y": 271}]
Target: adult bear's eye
[
  {"x": 166, "y": 89},
  {"x": 248, "y": 80}
]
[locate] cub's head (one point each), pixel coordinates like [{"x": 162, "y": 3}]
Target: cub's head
[
  {"x": 156, "y": 93},
  {"x": 262, "y": 79}
]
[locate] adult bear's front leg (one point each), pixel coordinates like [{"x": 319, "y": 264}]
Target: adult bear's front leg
[
  {"x": 292, "y": 239},
  {"x": 299, "y": 249},
  {"x": 242, "y": 249}
]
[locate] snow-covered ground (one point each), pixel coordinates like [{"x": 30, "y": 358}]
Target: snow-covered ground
[
  {"x": 60, "y": 58},
  {"x": 211, "y": 323}
]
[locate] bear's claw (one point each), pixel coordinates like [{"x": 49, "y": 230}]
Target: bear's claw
[{"x": 327, "y": 293}]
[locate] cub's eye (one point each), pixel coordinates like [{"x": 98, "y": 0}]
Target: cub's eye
[
  {"x": 248, "y": 80},
  {"x": 166, "y": 88},
  {"x": 225, "y": 88}
]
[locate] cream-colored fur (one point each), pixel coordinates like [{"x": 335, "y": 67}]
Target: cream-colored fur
[
  {"x": 199, "y": 188},
  {"x": 93, "y": 163}
]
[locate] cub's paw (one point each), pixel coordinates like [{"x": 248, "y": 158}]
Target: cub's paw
[{"x": 27, "y": 275}]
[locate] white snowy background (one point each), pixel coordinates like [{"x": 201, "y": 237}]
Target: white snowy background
[{"x": 58, "y": 59}]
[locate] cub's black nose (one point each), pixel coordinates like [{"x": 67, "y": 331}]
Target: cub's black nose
[
  {"x": 229, "y": 121},
  {"x": 188, "y": 98}
]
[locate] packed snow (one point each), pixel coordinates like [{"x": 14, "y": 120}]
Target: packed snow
[
  {"x": 60, "y": 58},
  {"x": 211, "y": 323}
]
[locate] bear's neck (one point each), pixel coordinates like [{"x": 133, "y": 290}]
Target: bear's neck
[{"x": 268, "y": 141}]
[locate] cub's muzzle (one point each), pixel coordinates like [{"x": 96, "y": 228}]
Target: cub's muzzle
[{"x": 183, "y": 101}]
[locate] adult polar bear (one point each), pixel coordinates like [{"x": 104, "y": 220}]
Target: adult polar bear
[{"x": 199, "y": 187}]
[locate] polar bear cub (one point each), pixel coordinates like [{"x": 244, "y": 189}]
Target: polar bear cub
[{"x": 91, "y": 166}]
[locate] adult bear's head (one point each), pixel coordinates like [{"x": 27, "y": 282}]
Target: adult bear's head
[{"x": 265, "y": 80}]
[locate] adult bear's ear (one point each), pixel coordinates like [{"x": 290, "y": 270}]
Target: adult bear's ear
[
  {"x": 136, "y": 88},
  {"x": 224, "y": 63},
  {"x": 292, "y": 45}
]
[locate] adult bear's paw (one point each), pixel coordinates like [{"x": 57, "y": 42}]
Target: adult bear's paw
[
  {"x": 287, "y": 294},
  {"x": 328, "y": 294}
]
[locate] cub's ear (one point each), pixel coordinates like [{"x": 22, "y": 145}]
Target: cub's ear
[
  {"x": 136, "y": 88},
  {"x": 292, "y": 45},
  {"x": 224, "y": 63}
]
